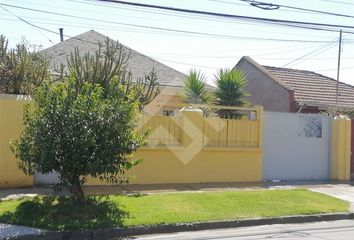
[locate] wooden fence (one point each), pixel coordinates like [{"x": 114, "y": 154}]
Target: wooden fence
[{"x": 217, "y": 132}]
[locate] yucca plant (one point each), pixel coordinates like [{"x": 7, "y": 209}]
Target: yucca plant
[
  {"x": 230, "y": 91},
  {"x": 195, "y": 89}
]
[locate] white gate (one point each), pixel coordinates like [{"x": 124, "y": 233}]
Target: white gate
[
  {"x": 45, "y": 179},
  {"x": 296, "y": 146}
]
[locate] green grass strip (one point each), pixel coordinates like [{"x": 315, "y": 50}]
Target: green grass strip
[{"x": 116, "y": 211}]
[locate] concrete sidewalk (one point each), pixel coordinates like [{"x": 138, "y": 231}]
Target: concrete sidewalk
[
  {"x": 341, "y": 191},
  {"x": 7, "y": 231},
  {"x": 338, "y": 188}
]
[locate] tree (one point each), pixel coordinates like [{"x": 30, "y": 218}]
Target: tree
[
  {"x": 347, "y": 111},
  {"x": 195, "y": 89},
  {"x": 79, "y": 133},
  {"x": 22, "y": 69},
  {"x": 84, "y": 125},
  {"x": 108, "y": 62},
  {"x": 230, "y": 91}
]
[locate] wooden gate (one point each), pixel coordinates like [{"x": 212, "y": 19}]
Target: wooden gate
[{"x": 352, "y": 155}]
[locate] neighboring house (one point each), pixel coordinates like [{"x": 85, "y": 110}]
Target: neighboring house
[
  {"x": 171, "y": 81},
  {"x": 292, "y": 90}
]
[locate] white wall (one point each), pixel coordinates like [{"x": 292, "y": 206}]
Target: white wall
[
  {"x": 45, "y": 179},
  {"x": 296, "y": 146}
]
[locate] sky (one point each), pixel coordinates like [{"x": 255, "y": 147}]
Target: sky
[{"x": 201, "y": 42}]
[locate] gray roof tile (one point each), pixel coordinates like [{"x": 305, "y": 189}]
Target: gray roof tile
[{"x": 139, "y": 64}]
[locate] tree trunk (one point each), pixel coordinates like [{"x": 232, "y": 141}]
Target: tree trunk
[{"x": 76, "y": 189}]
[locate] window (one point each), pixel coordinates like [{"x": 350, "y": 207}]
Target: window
[{"x": 168, "y": 112}]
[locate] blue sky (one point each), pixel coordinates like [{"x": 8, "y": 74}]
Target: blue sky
[{"x": 184, "y": 51}]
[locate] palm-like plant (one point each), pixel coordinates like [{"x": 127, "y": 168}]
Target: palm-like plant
[
  {"x": 195, "y": 89},
  {"x": 230, "y": 91}
]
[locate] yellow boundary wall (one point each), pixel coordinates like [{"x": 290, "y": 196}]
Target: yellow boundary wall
[
  {"x": 11, "y": 125},
  {"x": 193, "y": 161}
]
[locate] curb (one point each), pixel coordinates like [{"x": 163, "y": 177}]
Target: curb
[{"x": 182, "y": 227}]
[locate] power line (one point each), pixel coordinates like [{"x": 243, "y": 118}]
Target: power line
[
  {"x": 110, "y": 27},
  {"x": 167, "y": 29},
  {"x": 221, "y": 1},
  {"x": 224, "y": 15},
  {"x": 95, "y": 43},
  {"x": 184, "y": 63},
  {"x": 333, "y": 69},
  {"x": 246, "y": 5},
  {"x": 147, "y": 10},
  {"x": 260, "y": 55},
  {"x": 261, "y": 52},
  {"x": 310, "y": 54},
  {"x": 256, "y": 3},
  {"x": 202, "y": 17},
  {"x": 340, "y": 2},
  {"x": 27, "y": 22}
]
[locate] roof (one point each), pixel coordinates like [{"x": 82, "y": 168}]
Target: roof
[
  {"x": 309, "y": 87},
  {"x": 313, "y": 88},
  {"x": 264, "y": 71},
  {"x": 139, "y": 64}
]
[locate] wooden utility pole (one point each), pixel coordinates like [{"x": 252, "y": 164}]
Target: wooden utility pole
[{"x": 338, "y": 67}]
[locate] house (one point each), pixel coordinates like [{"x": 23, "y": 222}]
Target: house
[
  {"x": 171, "y": 81},
  {"x": 293, "y": 90}
]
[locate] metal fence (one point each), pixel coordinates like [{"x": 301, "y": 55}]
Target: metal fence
[{"x": 162, "y": 130}]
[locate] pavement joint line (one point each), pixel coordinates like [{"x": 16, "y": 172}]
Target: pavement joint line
[{"x": 112, "y": 233}]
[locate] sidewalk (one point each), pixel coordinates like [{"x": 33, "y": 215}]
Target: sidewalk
[
  {"x": 7, "y": 231},
  {"x": 338, "y": 188},
  {"x": 341, "y": 191}
]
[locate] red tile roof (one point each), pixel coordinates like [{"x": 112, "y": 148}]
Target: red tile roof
[{"x": 312, "y": 88}]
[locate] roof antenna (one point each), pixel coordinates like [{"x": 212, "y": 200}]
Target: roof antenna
[{"x": 61, "y": 34}]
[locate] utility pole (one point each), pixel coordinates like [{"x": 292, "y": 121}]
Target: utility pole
[{"x": 338, "y": 67}]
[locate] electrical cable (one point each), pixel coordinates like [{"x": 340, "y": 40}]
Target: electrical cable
[
  {"x": 312, "y": 53},
  {"x": 333, "y": 69},
  {"x": 277, "y": 6},
  {"x": 224, "y": 15},
  {"x": 204, "y": 18},
  {"x": 167, "y": 29},
  {"x": 340, "y": 2},
  {"x": 27, "y": 22},
  {"x": 184, "y": 63}
]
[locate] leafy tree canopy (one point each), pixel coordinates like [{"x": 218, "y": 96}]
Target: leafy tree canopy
[{"x": 79, "y": 133}]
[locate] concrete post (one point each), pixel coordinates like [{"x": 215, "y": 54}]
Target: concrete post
[
  {"x": 260, "y": 119},
  {"x": 341, "y": 148},
  {"x": 192, "y": 134}
]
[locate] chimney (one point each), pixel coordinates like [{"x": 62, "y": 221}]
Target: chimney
[{"x": 61, "y": 34}]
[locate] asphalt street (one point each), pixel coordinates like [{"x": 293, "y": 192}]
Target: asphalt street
[{"x": 334, "y": 230}]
